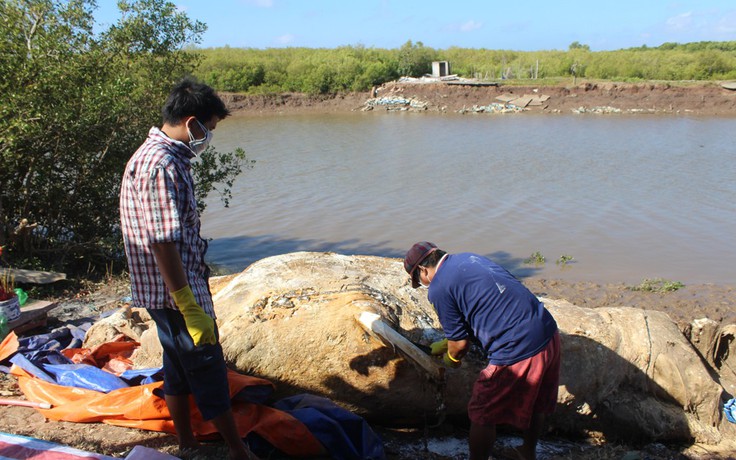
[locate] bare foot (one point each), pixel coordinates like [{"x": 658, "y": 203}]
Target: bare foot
[{"x": 188, "y": 442}]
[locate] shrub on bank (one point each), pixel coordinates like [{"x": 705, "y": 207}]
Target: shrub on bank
[{"x": 357, "y": 68}]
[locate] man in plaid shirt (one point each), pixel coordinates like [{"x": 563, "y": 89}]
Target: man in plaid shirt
[{"x": 160, "y": 225}]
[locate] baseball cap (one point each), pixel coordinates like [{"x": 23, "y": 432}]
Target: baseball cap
[{"x": 415, "y": 256}]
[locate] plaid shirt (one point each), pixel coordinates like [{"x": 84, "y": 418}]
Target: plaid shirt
[{"x": 158, "y": 205}]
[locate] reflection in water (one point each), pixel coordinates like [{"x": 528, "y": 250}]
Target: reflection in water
[{"x": 627, "y": 197}]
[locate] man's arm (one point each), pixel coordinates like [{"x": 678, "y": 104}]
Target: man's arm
[
  {"x": 458, "y": 349},
  {"x": 170, "y": 265},
  {"x": 199, "y": 325}
]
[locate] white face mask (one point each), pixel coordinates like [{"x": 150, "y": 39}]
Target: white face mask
[
  {"x": 199, "y": 145},
  {"x": 421, "y": 283}
]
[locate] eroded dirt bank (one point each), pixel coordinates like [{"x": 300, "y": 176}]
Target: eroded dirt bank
[{"x": 703, "y": 99}]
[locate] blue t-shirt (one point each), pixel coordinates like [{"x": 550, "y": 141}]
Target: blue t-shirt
[{"x": 476, "y": 297}]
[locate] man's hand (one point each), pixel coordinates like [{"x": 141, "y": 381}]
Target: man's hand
[
  {"x": 439, "y": 348},
  {"x": 200, "y": 325},
  {"x": 450, "y": 361}
]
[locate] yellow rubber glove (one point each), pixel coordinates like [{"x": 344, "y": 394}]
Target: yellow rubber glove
[
  {"x": 439, "y": 348},
  {"x": 450, "y": 361},
  {"x": 200, "y": 325}
]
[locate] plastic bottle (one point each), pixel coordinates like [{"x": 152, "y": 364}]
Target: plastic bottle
[{"x": 22, "y": 296}]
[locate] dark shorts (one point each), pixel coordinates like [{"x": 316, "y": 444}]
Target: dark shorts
[
  {"x": 199, "y": 371},
  {"x": 511, "y": 394}
]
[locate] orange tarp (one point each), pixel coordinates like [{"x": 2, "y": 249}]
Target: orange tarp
[
  {"x": 114, "y": 357},
  {"x": 141, "y": 407},
  {"x": 8, "y": 346}
]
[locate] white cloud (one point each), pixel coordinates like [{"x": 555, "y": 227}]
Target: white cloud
[
  {"x": 260, "y": 3},
  {"x": 467, "y": 26},
  {"x": 285, "y": 39},
  {"x": 680, "y": 22},
  {"x": 726, "y": 25},
  {"x": 470, "y": 25},
  {"x": 706, "y": 25}
]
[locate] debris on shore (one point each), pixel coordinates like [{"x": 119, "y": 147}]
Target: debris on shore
[
  {"x": 493, "y": 107},
  {"x": 604, "y": 109},
  {"x": 396, "y": 103}
]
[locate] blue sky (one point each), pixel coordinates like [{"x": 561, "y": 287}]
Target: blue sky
[{"x": 523, "y": 26}]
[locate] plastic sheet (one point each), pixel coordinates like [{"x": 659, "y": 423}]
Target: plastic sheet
[
  {"x": 729, "y": 409},
  {"x": 143, "y": 406},
  {"x": 13, "y": 446},
  {"x": 98, "y": 385},
  {"x": 84, "y": 376},
  {"x": 345, "y": 435}
]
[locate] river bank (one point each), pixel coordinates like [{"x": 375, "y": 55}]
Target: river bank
[{"x": 697, "y": 99}]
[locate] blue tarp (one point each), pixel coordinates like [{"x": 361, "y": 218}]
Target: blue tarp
[
  {"x": 40, "y": 355},
  {"x": 344, "y": 435},
  {"x": 84, "y": 376},
  {"x": 730, "y": 410},
  {"x": 135, "y": 377}
]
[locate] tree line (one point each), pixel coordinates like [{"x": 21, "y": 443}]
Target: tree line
[{"x": 357, "y": 68}]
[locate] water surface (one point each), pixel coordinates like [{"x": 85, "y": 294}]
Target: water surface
[{"x": 628, "y": 197}]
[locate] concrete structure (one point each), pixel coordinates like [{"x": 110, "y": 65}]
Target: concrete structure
[{"x": 440, "y": 68}]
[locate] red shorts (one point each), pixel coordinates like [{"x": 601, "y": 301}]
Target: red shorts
[{"x": 511, "y": 394}]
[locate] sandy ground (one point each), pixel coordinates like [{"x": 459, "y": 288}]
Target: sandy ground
[
  {"x": 447, "y": 441},
  {"x": 413, "y": 443}
]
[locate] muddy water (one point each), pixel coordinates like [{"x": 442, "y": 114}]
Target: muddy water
[{"x": 627, "y": 197}]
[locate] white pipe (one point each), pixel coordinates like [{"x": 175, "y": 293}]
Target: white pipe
[{"x": 20, "y": 402}]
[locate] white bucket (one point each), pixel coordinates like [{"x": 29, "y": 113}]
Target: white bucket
[{"x": 10, "y": 308}]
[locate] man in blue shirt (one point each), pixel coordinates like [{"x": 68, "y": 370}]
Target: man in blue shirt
[{"x": 477, "y": 299}]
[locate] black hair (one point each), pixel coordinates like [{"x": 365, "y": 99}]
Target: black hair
[
  {"x": 430, "y": 261},
  {"x": 433, "y": 259},
  {"x": 192, "y": 99}
]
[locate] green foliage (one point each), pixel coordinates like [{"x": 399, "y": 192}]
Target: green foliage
[
  {"x": 356, "y": 68},
  {"x": 213, "y": 168},
  {"x": 658, "y": 285},
  {"x": 415, "y": 59},
  {"x": 536, "y": 258},
  {"x": 576, "y": 45},
  {"x": 312, "y": 71},
  {"x": 564, "y": 260},
  {"x": 74, "y": 105}
]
